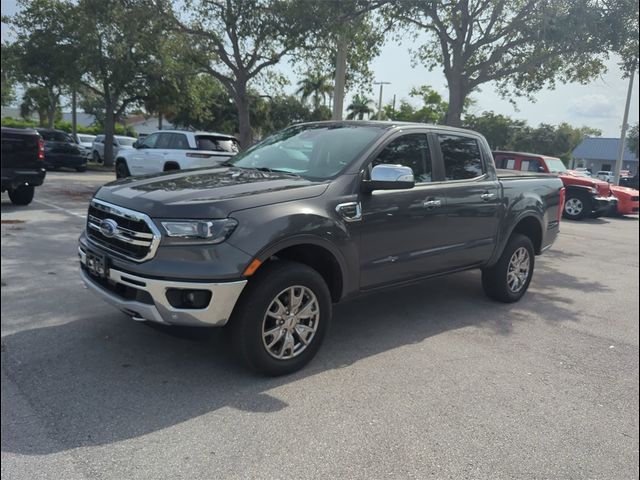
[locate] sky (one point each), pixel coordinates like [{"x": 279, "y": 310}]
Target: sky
[{"x": 600, "y": 104}]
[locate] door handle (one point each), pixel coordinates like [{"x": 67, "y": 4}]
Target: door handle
[
  {"x": 486, "y": 196},
  {"x": 432, "y": 204}
]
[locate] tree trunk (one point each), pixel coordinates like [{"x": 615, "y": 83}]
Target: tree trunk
[
  {"x": 159, "y": 120},
  {"x": 457, "y": 96},
  {"x": 51, "y": 117},
  {"x": 244, "y": 119},
  {"x": 74, "y": 113},
  {"x": 109, "y": 129},
  {"x": 340, "y": 78}
]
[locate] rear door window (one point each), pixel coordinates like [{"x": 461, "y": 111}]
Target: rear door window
[
  {"x": 164, "y": 140},
  {"x": 179, "y": 142},
  {"x": 531, "y": 165},
  {"x": 217, "y": 144},
  {"x": 461, "y": 157}
]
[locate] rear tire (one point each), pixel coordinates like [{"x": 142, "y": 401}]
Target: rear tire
[
  {"x": 81, "y": 169},
  {"x": 122, "y": 170},
  {"x": 23, "y": 195},
  {"x": 508, "y": 280},
  {"x": 291, "y": 300},
  {"x": 576, "y": 206}
]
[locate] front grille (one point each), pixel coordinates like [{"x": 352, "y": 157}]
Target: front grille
[
  {"x": 134, "y": 236},
  {"x": 634, "y": 199}
]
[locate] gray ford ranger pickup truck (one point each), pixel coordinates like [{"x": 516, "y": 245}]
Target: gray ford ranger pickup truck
[{"x": 313, "y": 215}]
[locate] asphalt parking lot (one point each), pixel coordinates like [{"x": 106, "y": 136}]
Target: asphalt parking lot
[{"x": 429, "y": 381}]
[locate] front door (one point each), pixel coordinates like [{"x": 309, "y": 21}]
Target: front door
[{"x": 401, "y": 230}]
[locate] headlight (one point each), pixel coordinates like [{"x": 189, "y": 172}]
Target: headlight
[
  {"x": 594, "y": 190},
  {"x": 206, "y": 231}
]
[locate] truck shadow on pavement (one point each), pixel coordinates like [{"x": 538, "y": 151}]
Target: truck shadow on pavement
[{"x": 102, "y": 378}]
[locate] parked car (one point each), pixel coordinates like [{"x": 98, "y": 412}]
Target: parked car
[
  {"x": 630, "y": 182},
  {"x": 22, "y": 163},
  {"x": 585, "y": 196},
  {"x": 175, "y": 150},
  {"x": 86, "y": 140},
  {"x": 120, "y": 144},
  {"x": 605, "y": 175},
  {"x": 61, "y": 150},
  {"x": 627, "y": 199},
  {"x": 314, "y": 214},
  {"x": 584, "y": 171}
]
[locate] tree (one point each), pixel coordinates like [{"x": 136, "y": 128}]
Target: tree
[
  {"x": 632, "y": 139},
  {"x": 238, "y": 40},
  {"x": 359, "y": 107},
  {"x": 39, "y": 101},
  {"x": 520, "y": 45},
  {"x": 42, "y": 55},
  {"x": 499, "y": 130},
  {"x": 315, "y": 86},
  {"x": 117, "y": 44}
]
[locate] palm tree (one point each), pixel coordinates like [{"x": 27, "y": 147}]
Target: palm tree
[
  {"x": 358, "y": 107},
  {"x": 316, "y": 86}
]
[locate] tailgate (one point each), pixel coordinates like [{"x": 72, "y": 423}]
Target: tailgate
[{"x": 20, "y": 149}]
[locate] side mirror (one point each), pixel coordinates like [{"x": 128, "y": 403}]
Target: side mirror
[
  {"x": 390, "y": 177},
  {"x": 136, "y": 144}
]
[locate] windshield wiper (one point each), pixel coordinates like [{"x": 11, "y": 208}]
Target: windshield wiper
[{"x": 274, "y": 170}]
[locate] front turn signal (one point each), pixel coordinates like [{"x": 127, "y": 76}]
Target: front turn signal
[{"x": 253, "y": 266}]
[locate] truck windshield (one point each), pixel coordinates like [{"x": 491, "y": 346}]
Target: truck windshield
[
  {"x": 555, "y": 165},
  {"x": 316, "y": 151}
]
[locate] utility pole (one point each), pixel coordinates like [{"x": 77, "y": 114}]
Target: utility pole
[
  {"x": 623, "y": 133},
  {"x": 380, "y": 98}
]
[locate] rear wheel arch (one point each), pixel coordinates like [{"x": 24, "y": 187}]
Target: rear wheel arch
[
  {"x": 530, "y": 227},
  {"x": 171, "y": 165}
]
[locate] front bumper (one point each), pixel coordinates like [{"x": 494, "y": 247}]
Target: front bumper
[
  {"x": 146, "y": 298},
  {"x": 603, "y": 205}
]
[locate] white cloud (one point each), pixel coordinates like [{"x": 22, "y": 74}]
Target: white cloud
[{"x": 594, "y": 106}]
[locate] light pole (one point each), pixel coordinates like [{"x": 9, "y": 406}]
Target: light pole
[
  {"x": 623, "y": 133},
  {"x": 380, "y": 98}
]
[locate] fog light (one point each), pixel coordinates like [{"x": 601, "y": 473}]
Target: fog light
[{"x": 188, "y": 298}]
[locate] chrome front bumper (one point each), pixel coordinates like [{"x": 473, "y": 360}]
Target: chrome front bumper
[{"x": 223, "y": 298}]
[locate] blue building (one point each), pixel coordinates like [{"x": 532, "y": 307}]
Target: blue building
[{"x": 598, "y": 153}]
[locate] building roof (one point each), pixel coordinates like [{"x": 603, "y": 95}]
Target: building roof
[{"x": 598, "y": 148}]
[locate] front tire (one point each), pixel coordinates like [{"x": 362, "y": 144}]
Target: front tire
[
  {"x": 576, "y": 206},
  {"x": 281, "y": 318},
  {"x": 508, "y": 280},
  {"x": 122, "y": 170},
  {"x": 23, "y": 195}
]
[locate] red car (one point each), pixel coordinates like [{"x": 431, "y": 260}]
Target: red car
[
  {"x": 585, "y": 196},
  {"x": 627, "y": 199}
]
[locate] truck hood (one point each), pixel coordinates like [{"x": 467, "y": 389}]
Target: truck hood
[{"x": 207, "y": 193}]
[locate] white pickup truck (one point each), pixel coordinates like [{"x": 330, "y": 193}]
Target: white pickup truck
[{"x": 175, "y": 150}]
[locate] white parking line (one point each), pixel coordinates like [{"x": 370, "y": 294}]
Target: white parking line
[{"x": 62, "y": 209}]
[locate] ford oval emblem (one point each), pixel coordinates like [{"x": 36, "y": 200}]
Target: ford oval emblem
[{"x": 108, "y": 227}]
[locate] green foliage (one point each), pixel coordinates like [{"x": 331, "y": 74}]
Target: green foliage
[
  {"x": 632, "y": 139},
  {"x": 432, "y": 110},
  {"x": 519, "y": 45},
  {"x": 315, "y": 86},
  {"x": 66, "y": 127},
  {"x": 8, "y": 75},
  {"x": 38, "y": 100},
  {"x": 359, "y": 107},
  {"x": 505, "y": 133}
]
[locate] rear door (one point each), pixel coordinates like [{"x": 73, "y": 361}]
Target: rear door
[{"x": 473, "y": 199}]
